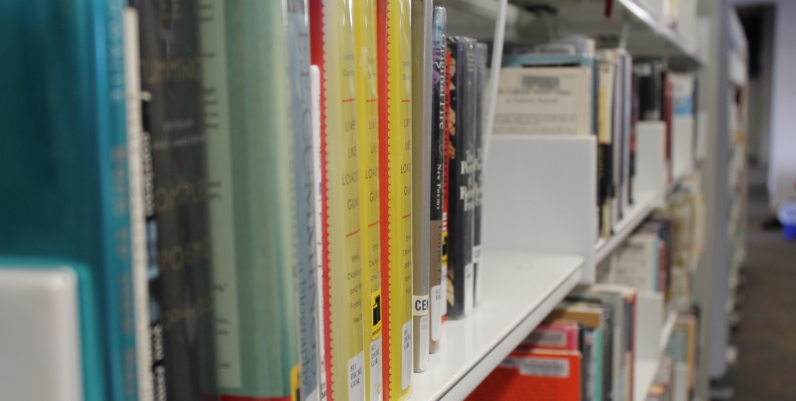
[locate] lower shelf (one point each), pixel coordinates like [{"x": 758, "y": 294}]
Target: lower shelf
[
  {"x": 519, "y": 290},
  {"x": 645, "y": 370}
]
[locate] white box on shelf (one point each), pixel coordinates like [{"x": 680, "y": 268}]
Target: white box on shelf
[
  {"x": 651, "y": 174},
  {"x": 540, "y": 196},
  {"x": 40, "y": 353}
]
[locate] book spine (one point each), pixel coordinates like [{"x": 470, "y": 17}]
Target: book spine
[
  {"x": 138, "y": 221},
  {"x": 393, "y": 30},
  {"x": 421, "y": 23},
  {"x": 178, "y": 226},
  {"x": 368, "y": 154},
  {"x": 437, "y": 173},
  {"x": 604, "y": 153},
  {"x": 304, "y": 186},
  {"x": 450, "y": 121},
  {"x": 315, "y": 89},
  {"x": 332, "y": 49},
  {"x": 481, "y": 54},
  {"x": 243, "y": 43},
  {"x": 114, "y": 198},
  {"x": 461, "y": 165}
]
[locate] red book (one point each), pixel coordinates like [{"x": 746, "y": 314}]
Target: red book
[{"x": 538, "y": 375}]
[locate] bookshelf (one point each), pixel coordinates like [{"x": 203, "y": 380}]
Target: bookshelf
[
  {"x": 645, "y": 369},
  {"x": 645, "y": 204},
  {"x": 519, "y": 291}
]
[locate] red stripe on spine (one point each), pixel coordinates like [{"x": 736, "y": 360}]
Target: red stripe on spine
[
  {"x": 382, "y": 42},
  {"x": 316, "y": 13}
]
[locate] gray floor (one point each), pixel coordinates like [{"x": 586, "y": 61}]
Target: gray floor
[{"x": 766, "y": 333}]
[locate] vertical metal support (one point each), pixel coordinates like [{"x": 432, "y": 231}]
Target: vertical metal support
[
  {"x": 625, "y": 35},
  {"x": 494, "y": 76},
  {"x": 718, "y": 339}
]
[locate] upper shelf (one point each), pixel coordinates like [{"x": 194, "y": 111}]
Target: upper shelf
[
  {"x": 648, "y": 35},
  {"x": 519, "y": 290}
]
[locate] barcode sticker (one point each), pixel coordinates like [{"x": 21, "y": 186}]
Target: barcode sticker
[
  {"x": 375, "y": 370},
  {"x": 356, "y": 378},
  {"x": 423, "y": 354},
  {"x": 543, "y": 367},
  {"x": 436, "y": 311},
  {"x": 547, "y": 338},
  {"x": 541, "y": 82},
  {"x": 406, "y": 355}
]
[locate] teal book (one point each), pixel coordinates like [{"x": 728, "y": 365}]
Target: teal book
[
  {"x": 246, "y": 89},
  {"x": 304, "y": 187},
  {"x": 63, "y": 161}
]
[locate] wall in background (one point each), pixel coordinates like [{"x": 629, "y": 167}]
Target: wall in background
[{"x": 782, "y": 143}]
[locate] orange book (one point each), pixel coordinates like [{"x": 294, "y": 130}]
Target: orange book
[{"x": 538, "y": 375}]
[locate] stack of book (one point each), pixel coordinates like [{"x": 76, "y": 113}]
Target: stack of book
[
  {"x": 254, "y": 200},
  {"x": 584, "y": 350},
  {"x": 569, "y": 88}
]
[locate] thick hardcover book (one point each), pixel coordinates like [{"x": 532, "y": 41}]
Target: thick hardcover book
[
  {"x": 481, "y": 54},
  {"x": 437, "y": 173},
  {"x": 368, "y": 154},
  {"x": 393, "y": 32},
  {"x": 422, "y": 25},
  {"x": 304, "y": 187},
  {"x": 650, "y": 75},
  {"x": 332, "y": 49},
  {"x": 462, "y": 176},
  {"x": 252, "y": 198},
  {"x": 64, "y": 185},
  {"x": 597, "y": 320},
  {"x": 605, "y": 149},
  {"x": 177, "y": 216}
]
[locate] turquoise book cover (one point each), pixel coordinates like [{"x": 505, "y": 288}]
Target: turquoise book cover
[{"x": 63, "y": 159}]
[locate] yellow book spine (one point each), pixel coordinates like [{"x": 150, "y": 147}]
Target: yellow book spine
[
  {"x": 395, "y": 90},
  {"x": 332, "y": 48},
  {"x": 368, "y": 155}
]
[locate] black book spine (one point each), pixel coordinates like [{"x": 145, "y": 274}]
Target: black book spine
[
  {"x": 461, "y": 165},
  {"x": 437, "y": 172},
  {"x": 481, "y": 53},
  {"x": 176, "y": 198}
]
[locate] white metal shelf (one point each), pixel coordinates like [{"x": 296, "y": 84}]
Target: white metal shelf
[
  {"x": 648, "y": 36},
  {"x": 645, "y": 370},
  {"x": 519, "y": 290},
  {"x": 640, "y": 210}
]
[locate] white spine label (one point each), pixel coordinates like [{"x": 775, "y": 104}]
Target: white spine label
[
  {"x": 420, "y": 305},
  {"x": 436, "y": 311},
  {"x": 422, "y": 363},
  {"x": 356, "y": 378},
  {"x": 375, "y": 370},
  {"x": 406, "y": 355}
]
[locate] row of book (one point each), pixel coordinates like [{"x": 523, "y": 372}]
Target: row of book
[
  {"x": 586, "y": 350},
  {"x": 260, "y": 200},
  {"x": 569, "y": 88}
]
